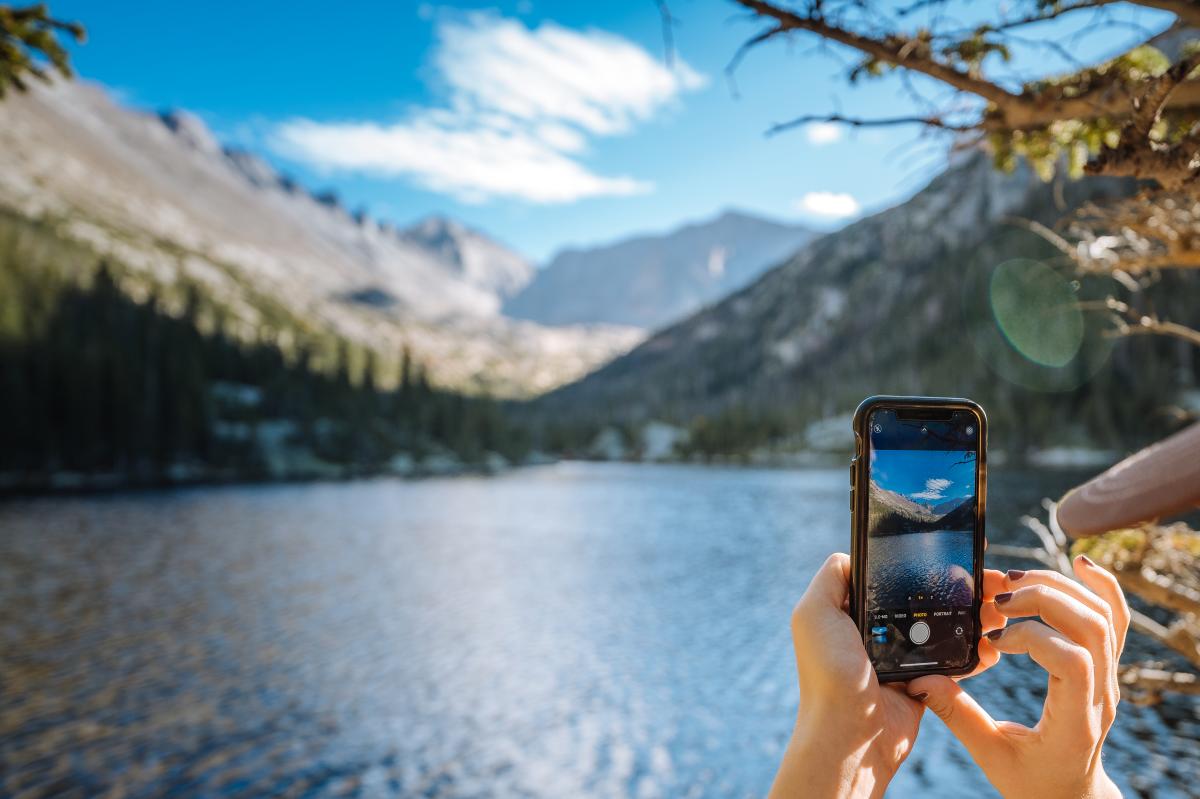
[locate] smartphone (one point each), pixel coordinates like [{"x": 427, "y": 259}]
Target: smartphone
[{"x": 918, "y": 488}]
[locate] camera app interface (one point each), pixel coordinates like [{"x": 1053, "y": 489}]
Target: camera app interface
[{"x": 920, "y": 586}]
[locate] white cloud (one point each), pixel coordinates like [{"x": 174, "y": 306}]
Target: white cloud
[
  {"x": 820, "y": 133},
  {"x": 935, "y": 488},
  {"x": 828, "y": 203},
  {"x": 522, "y": 105},
  {"x": 473, "y": 165},
  {"x": 595, "y": 80}
]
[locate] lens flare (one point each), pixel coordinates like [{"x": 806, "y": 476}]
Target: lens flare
[{"x": 1037, "y": 310}]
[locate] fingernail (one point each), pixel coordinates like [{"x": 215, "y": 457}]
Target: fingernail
[
  {"x": 1015, "y": 574},
  {"x": 1087, "y": 560},
  {"x": 994, "y": 635},
  {"x": 920, "y": 697},
  {"x": 1002, "y": 598}
]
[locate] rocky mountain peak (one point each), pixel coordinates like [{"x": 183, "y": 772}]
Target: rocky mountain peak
[
  {"x": 652, "y": 279},
  {"x": 254, "y": 168},
  {"x": 440, "y": 234},
  {"x": 190, "y": 129},
  {"x": 479, "y": 259}
]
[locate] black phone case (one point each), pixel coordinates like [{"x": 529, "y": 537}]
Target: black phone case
[{"x": 858, "y": 515}]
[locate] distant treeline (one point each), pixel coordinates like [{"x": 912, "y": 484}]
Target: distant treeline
[{"x": 96, "y": 383}]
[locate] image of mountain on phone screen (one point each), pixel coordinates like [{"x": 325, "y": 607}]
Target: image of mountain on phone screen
[{"x": 921, "y": 530}]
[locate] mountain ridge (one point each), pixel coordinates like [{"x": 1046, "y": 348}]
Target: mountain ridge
[
  {"x": 892, "y": 513},
  {"x": 158, "y": 193},
  {"x": 648, "y": 280},
  {"x": 899, "y": 303}
]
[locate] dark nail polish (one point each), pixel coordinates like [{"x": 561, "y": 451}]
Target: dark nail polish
[
  {"x": 1087, "y": 560},
  {"x": 994, "y": 635},
  {"x": 1002, "y": 598},
  {"x": 920, "y": 697},
  {"x": 1015, "y": 574}
]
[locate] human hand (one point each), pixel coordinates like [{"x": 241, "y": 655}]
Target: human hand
[
  {"x": 1079, "y": 642},
  {"x": 851, "y": 733}
]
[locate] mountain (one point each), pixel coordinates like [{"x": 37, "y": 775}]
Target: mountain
[
  {"x": 894, "y": 514},
  {"x": 901, "y": 303},
  {"x": 942, "y": 508},
  {"x": 158, "y": 196},
  {"x": 649, "y": 281},
  {"x": 472, "y": 256},
  {"x": 960, "y": 517}
]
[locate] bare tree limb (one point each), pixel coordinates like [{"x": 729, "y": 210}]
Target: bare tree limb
[
  {"x": 931, "y": 122},
  {"x": 1150, "y": 232},
  {"x": 1144, "y": 684},
  {"x": 1186, "y": 11},
  {"x": 1051, "y": 12},
  {"x": 1148, "y": 326},
  {"x": 1054, "y": 548},
  {"x": 746, "y": 47},
  {"x": 668, "y": 34},
  {"x": 1157, "y": 588},
  {"x": 1029, "y": 553}
]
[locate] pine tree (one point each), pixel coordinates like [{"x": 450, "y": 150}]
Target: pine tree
[{"x": 29, "y": 36}]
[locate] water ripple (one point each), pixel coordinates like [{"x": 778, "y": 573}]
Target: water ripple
[{"x": 578, "y": 630}]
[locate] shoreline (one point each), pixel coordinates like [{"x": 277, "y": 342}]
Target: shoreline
[{"x": 69, "y": 484}]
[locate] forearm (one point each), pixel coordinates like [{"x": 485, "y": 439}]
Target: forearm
[{"x": 821, "y": 761}]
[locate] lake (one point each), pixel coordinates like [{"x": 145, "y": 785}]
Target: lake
[
  {"x": 591, "y": 630},
  {"x": 936, "y": 563}
]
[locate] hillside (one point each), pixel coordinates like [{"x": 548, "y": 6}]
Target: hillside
[
  {"x": 899, "y": 303},
  {"x": 160, "y": 196},
  {"x": 892, "y": 513},
  {"x": 650, "y": 281}
]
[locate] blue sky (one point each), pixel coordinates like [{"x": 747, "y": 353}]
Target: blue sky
[
  {"x": 545, "y": 124},
  {"x": 925, "y": 475}
]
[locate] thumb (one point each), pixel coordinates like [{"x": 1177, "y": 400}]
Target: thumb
[
  {"x": 967, "y": 721},
  {"x": 831, "y": 584}
]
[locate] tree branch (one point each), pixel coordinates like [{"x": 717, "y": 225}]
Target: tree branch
[
  {"x": 897, "y": 50},
  {"x": 1148, "y": 326},
  {"x": 930, "y": 121},
  {"x": 1144, "y": 684},
  {"x": 668, "y": 35},
  {"x": 1186, "y": 11},
  {"x": 1159, "y": 589},
  {"x": 1030, "y": 553},
  {"x": 747, "y": 46},
  {"x": 1008, "y": 111}
]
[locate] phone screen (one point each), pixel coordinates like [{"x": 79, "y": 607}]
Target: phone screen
[{"x": 920, "y": 543}]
